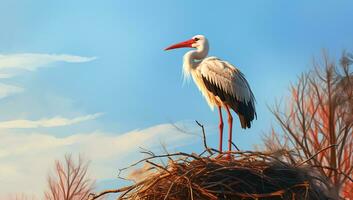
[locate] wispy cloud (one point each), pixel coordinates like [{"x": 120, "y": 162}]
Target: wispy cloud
[
  {"x": 4, "y": 75},
  {"x": 12, "y": 64},
  {"x": 51, "y": 122},
  {"x": 26, "y": 158},
  {"x": 32, "y": 61},
  {"x": 7, "y": 90}
]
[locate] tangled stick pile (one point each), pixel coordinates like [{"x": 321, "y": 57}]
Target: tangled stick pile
[
  {"x": 233, "y": 175},
  {"x": 248, "y": 175}
]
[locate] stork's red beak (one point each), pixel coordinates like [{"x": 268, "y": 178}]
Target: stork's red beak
[{"x": 187, "y": 43}]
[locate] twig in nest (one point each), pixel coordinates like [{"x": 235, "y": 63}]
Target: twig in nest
[
  {"x": 163, "y": 156},
  {"x": 235, "y": 146},
  {"x": 204, "y": 137},
  {"x": 146, "y": 151},
  {"x": 96, "y": 196},
  {"x": 158, "y": 166}
]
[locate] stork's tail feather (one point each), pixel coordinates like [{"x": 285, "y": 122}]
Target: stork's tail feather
[
  {"x": 245, "y": 123},
  {"x": 246, "y": 113}
]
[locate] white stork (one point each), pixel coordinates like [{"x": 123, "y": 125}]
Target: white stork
[{"x": 222, "y": 84}]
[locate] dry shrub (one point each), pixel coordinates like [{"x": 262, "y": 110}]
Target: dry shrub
[
  {"x": 320, "y": 114},
  {"x": 70, "y": 180}
]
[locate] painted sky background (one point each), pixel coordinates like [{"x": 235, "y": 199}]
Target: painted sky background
[{"x": 92, "y": 76}]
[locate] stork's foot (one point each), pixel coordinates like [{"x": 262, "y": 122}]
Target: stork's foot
[
  {"x": 225, "y": 156},
  {"x": 228, "y": 156}
]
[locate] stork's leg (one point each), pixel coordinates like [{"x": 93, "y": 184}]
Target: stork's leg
[
  {"x": 220, "y": 129},
  {"x": 230, "y": 123}
]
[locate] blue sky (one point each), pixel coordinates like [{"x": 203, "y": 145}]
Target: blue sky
[{"x": 121, "y": 80}]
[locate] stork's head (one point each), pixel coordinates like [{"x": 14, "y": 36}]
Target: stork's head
[{"x": 199, "y": 42}]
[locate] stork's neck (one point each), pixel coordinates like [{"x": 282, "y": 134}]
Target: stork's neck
[{"x": 192, "y": 58}]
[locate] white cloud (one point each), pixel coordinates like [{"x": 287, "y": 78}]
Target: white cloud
[
  {"x": 32, "y": 61},
  {"x": 7, "y": 90},
  {"x": 5, "y": 75},
  {"x": 12, "y": 64},
  {"x": 51, "y": 122},
  {"x": 26, "y": 158}
]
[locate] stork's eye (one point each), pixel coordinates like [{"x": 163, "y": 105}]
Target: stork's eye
[{"x": 196, "y": 39}]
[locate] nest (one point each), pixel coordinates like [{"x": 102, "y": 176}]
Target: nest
[
  {"x": 238, "y": 175},
  {"x": 213, "y": 175}
]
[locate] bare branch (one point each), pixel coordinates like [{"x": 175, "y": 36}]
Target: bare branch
[{"x": 69, "y": 182}]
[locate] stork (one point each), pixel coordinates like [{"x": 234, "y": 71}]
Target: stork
[{"x": 222, "y": 85}]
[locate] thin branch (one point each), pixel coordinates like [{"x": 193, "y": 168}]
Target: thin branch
[
  {"x": 204, "y": 138},
  {"x": 96, "y": 196},
  {"x": 334, "y": 145}
]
